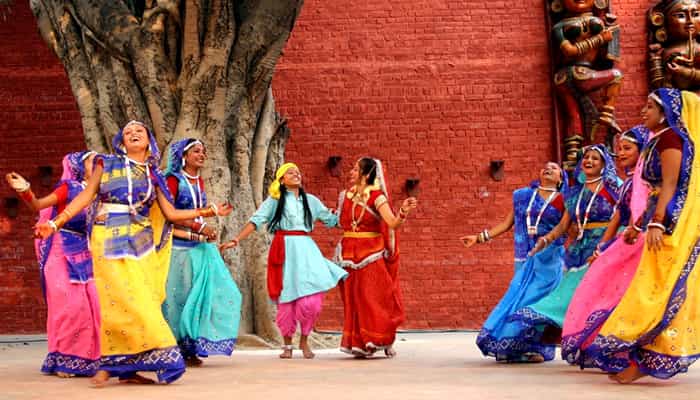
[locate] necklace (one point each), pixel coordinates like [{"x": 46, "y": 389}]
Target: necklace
[
  {"x": 196, "y": 198},
  {"x": 532, "y": 229},
  {"x": 588, "y": 209},
  {"x": 130, "y": 184},
  {"x": 356, "y": 221},
  {"x": 594, "y": 180}
]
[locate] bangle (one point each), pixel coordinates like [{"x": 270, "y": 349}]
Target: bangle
[
  {"x": 53, "y": 226},
  {"x": 656, "y": 225},
  {"x": 546, "y": 241},
  {"x": 201, "y": 227},
  {"x": 487, "y": 236},
  {"x": 636, "y": 228}
]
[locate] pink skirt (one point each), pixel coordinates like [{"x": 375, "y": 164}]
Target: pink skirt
[
  {"x": 597, "y": 296},
  {"x": 73, "y": 322}
]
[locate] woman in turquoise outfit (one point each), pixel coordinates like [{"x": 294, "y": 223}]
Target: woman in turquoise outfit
[
  {"x": 203, "y": 303},
  {"x": 297, "y": 273},
  {"x": 589, "y": 206},
  {"x": 537, "y": 209}
]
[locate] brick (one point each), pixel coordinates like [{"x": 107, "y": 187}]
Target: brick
[{"x": 435, "y": 89}]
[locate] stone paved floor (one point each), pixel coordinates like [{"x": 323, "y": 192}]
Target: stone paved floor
[{"x": 429, "y": 366}]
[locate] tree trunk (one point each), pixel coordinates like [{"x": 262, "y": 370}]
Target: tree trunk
[{"x": 187, "y": 68}]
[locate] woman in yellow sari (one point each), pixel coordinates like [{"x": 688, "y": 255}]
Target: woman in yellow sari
[
  {"x": 130, "y": 245},
  {"x": 654, "y": 329}
]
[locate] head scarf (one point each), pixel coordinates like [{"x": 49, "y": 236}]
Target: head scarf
[
  {"x": 611, "y": 182},
  {"x": 176, "y": 155},
  {"x": 74, "y": 165},
  {"x": 637, "y": 135},
  {"x": 274, "y": 188},
  {"x": 671, "y": 101},
  {"x": 153, "y": 152}
]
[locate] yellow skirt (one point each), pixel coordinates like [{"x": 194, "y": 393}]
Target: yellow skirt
[
  {"x": 656, "y": 324},
  {"x": 135, "y": 336}
]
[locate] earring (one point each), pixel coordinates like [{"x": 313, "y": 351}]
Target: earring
[{"x": 662, "y": 120}]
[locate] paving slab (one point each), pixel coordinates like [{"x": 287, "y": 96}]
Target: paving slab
[{"x": 429, "y": 366}]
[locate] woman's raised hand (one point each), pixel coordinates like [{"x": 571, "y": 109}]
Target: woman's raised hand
[
  {"x": 409, "y": 204},
  {"x": 224, "y": 209},
  {"x": 17, "y": 182},
  {"x": 469, "y": 240}
]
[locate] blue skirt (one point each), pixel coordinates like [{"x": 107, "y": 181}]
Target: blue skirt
[
  {"x": 534, "y": 279},
  {"x": 203, "y": 303}
]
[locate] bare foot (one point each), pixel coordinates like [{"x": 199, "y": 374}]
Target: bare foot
[
  {"x": 99, "y": 380},
  {"x": 287, "y": 351},
  {"x": 389, "y": 352},
  {"x": 194, "y": 361},
  {"x": 62, "y": 374},
  {"x": 137, "y": 380},
  {"x": 307, "y": 351},
  {"x": 535, "y": 358},
  {"x": 631, "y": 374}
]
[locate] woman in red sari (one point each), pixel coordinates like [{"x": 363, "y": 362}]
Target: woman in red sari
[{"x": 369, "y": 252}]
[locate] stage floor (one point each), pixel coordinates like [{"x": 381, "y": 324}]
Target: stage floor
[{"x": 429, "y": 366}]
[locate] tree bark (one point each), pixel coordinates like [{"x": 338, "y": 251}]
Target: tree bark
[{"x": 187, "y": 68}]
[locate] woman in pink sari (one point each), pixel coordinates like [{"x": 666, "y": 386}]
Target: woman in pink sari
[
  {"x": 73, "y": 320},
  {"x": 615, "y": 260}
]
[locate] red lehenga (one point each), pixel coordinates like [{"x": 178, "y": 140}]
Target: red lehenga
[{"x": 371, "y": 294}]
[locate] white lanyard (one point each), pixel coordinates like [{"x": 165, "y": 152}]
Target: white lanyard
[
  {"x": 130, "y": 183},
  {"x": 196, "y": 198},
  {"x": 588, "y": 208},
  {"x": 532, "y": 229}
]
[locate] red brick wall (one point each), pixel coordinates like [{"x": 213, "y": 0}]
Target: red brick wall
[
  {"x": 39, "y": 123},
  {"x": 436, "y": 89}
]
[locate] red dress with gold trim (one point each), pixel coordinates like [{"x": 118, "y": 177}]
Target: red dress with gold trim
[{"x": 371, "y": 295}]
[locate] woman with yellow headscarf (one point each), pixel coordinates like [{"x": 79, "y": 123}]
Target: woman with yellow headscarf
[
  {"x": 297, "y": 273},
  {"x": 654, "y": 329}
]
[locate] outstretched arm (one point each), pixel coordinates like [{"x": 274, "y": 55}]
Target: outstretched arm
[
  {"x": 172, "y": 214},
  {"x": 24, "y": 191},
  {"x": 82, "y": 200},
  {"x": 394, "y": 221},
  {"x": 486, "y": 235}
]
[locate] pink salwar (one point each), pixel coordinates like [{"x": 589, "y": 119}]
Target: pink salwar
[{"x": 303, "y": 311}]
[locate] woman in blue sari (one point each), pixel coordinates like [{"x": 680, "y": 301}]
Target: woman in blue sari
[
  {"x": 536, "y": 210},
  {"x": 590, "y": 204},
  {"x": 203, "y": 303}
]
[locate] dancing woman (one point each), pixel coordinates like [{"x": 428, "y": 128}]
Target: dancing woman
[
  {"x": 203, "y": 303},
  {"x": 297, "y": 273},
  {"x": 369, "y": 252},
  {"x": 130, "y": 244},
  {"x": 537, "y": 209},
  {"x": 610, "y": 274},
  {"x": 73, "y": 317},
  {"x": 654, "y": 328},
  {"x": 589, "y": 205}
]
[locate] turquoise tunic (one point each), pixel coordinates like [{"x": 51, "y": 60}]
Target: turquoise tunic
[{"x": 306, "y": 271}]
